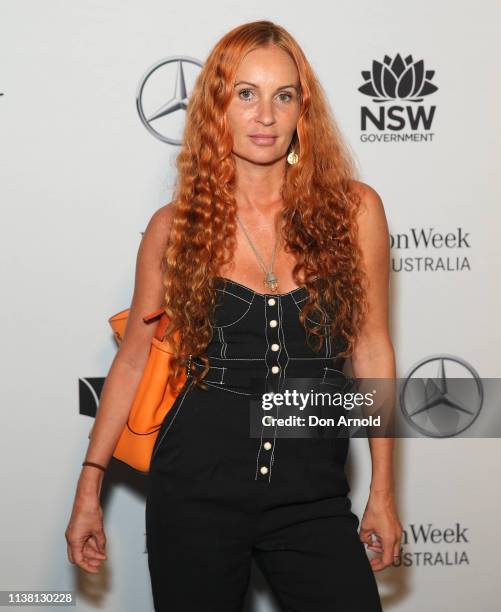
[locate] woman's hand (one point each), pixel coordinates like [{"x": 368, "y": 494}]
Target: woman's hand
[
  {"x": 85, "y": 534},
  {"x": 380, "y": 518}
]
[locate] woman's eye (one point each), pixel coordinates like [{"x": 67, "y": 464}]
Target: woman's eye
[
  {"x": 244, "y": 91},
  {"x": 246, "y": 94}
]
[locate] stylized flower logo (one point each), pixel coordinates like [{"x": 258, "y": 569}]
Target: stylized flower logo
[{"x": 398, "y": 79}]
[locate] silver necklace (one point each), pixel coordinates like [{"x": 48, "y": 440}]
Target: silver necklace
[{"x": 270, "y": 280}]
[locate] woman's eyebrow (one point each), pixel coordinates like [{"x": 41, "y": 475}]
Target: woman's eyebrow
[{"x": 257, "y": 86}]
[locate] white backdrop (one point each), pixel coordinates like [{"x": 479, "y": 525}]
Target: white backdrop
[{"x": 81, "y": 176}]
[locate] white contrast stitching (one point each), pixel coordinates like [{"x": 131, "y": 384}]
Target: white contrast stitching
[
  {"x": 221, "y": 339},
  {"x": 265, "y": 302},
  {"x": 173, "y": 418},
  {"x": 332, "y": 370},
  {"x": 297, "y": 302},
  {"x": 326, "y": 382},
  {"x": 212, "y": 368},
  {"x": 240, "y": 318},
  {"x": 306, "y": 358},
  {"x": 242, "y": 358},
  {"x": 281, "y": 331},
  {"x": 215, "y": 385},
  {"x": 234, "y": 295}
]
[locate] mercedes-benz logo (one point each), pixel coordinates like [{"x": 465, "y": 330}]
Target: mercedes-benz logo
[
  {"x": 152, "y": 87},
  {"x": 443, "y": 405}
]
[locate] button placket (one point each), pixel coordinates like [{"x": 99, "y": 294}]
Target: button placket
[{"x": 266, "y": 459}]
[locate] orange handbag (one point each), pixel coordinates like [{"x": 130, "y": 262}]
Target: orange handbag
[{"x": 153, "y": 399}]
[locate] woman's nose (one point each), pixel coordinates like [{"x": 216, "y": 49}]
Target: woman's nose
[{"x": 264, "y": 112}]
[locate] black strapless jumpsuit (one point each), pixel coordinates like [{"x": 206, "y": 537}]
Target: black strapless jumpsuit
[{"x": 217, "y": 497}]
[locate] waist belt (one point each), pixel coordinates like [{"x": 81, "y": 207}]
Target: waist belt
[{"x": 254, "y": 376}]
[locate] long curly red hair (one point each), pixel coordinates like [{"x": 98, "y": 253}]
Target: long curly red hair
[{"x": 319, "y": 206}]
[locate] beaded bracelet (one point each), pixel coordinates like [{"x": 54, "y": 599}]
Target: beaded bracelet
[{"x": 91, "y": 463}]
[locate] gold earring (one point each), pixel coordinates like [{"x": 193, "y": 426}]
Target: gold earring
[{"x": 292, "y": 158}]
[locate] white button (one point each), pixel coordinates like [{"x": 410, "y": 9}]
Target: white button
[
  {"x": 275, "y": 369},
  {"x": 275, "y": 347},
  {"x": 267, "y": 445},
  {"x": 263, "y": 470},
  {"x": 271, "y": 302},
  {"x": 273, "y": 323}
]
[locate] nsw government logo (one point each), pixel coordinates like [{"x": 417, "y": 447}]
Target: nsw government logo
[{"x": 398, "y": 88}]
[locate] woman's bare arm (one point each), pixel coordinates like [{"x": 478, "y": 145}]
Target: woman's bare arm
[
  {"x": 374, "y": 357},
  {"x": 126, "y": 369}
]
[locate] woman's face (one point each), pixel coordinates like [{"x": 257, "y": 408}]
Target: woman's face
[{"x": 265, "y": 105}]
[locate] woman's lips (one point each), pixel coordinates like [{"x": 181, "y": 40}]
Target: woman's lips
[{"x": 263, "y": 140}]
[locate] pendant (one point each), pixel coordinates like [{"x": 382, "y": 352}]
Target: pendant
[{"x": 271, "y": 281}]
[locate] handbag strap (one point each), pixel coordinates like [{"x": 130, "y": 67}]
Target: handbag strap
[
  {"x": 162, "y": 326},
  {"x": 162, "y": 323}
]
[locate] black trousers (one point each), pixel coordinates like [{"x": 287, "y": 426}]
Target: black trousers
[{"x": 210, "y": 509}]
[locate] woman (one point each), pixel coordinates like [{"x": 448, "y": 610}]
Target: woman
[{"x": 276, "y": 266}]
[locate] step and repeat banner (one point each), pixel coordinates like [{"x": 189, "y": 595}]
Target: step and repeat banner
[{"x": 92, "y": 107}]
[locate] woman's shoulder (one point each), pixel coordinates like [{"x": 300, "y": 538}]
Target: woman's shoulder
[
  {"x": 156, "y": 235},
  {"x": 371, "y": 216},
  {"x": 371, "y": 210},
  {"x": 162, "y": 217},
  {"x": 369, "y": 197}
]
